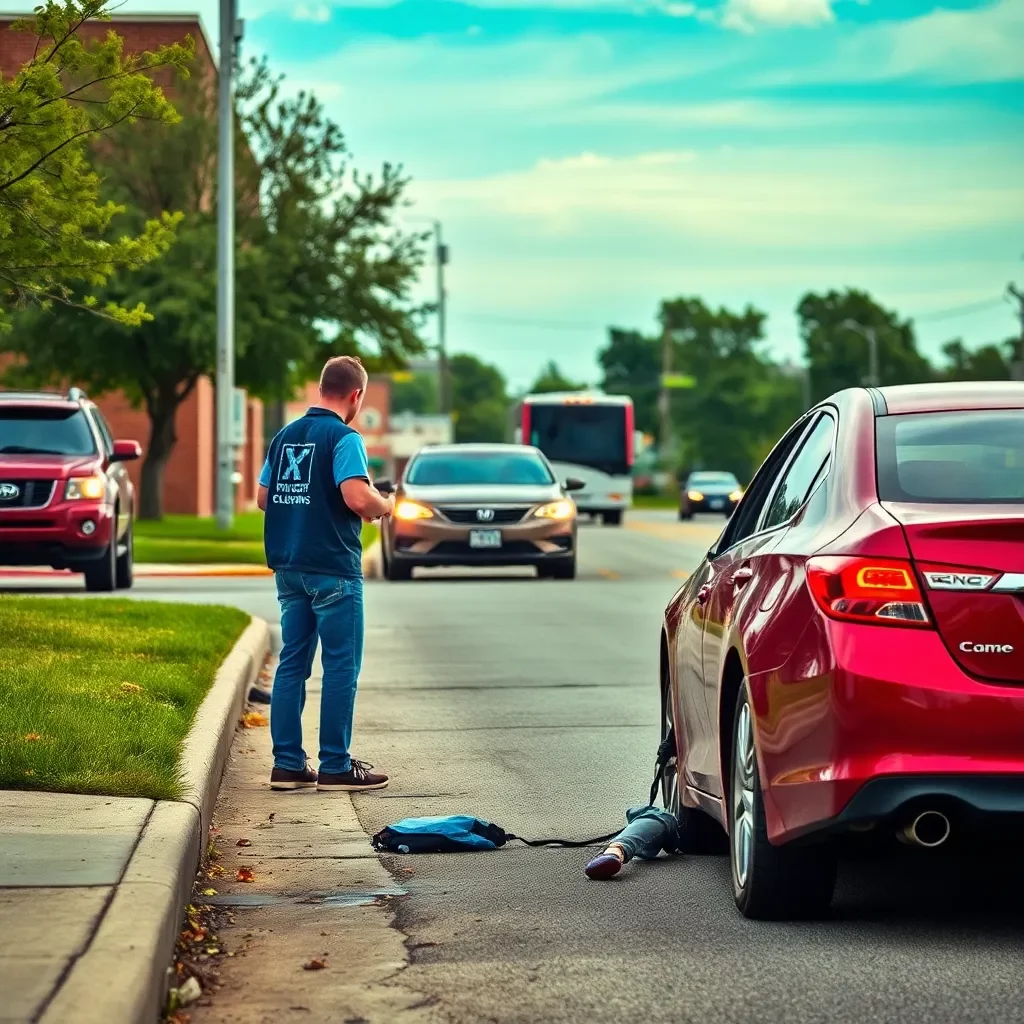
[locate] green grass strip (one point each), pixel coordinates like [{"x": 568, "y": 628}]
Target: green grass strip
[{"x": 98, "y": 695}]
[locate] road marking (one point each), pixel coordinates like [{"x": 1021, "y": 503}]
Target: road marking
[
  {"x": 693, "y": 532},
  {"x": 608, "y": 574},
  {"x": 681, "y": 574}
]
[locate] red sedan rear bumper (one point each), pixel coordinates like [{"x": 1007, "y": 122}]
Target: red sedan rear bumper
[{"x": 889, "y": 707}]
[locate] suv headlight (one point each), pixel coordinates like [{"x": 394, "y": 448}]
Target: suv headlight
[
  {"x": 90, "y": 488},
  {"x": 563, "y": 509}
]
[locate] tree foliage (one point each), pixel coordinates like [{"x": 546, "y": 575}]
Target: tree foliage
[
  {"x": 419, "y": 393},
  {"x": 320, "y": 269},
  {"x": 552, "y": 379},
  {"x": 742, "y": 400},
  {"x": 479, "y": 399},
  {"x": 838, "y": 354},
  {"x": 56, "y": 243}
]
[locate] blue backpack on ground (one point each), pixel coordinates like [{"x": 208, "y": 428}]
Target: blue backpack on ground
[{"x": 452, "y": 834}]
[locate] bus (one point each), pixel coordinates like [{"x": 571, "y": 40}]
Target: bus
[{"x": 589, "y": 436}]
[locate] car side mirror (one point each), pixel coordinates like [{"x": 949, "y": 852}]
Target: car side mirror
[
  {"x": 384, "y": 486},
  {"x": 126, "y": 451},
  {"x": 574, "y": 483}
]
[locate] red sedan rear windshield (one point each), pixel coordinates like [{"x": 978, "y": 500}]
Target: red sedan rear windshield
[{"x": 972, "y": 457}]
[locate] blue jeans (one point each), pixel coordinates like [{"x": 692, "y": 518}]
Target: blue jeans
[{"x": 331, "y": 608}]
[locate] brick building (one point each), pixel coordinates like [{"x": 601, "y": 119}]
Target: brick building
[{"x": 189, "y": 478}]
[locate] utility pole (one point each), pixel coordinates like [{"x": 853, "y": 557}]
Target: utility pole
[
  {"x": 1017, "y": 362},
  {"x": 665, "y": 394},
  {"x": 441, "y": 254},
  {"x": 230, "y": 34}
]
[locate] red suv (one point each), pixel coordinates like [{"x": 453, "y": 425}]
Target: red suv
[{"x": 65, "y": 496}]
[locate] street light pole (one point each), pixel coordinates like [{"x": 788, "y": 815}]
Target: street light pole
[
  {"x": 441, "y": 256},
  {"x": 871, "y": 336},
  {"x": 226, "y": 267}
]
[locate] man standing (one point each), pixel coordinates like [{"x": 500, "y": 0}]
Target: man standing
[{"x": 316, "y": 492}]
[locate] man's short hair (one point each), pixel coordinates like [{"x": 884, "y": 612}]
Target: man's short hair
[{"x": 341, "y": 376}]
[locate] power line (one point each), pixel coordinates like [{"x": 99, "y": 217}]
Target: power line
[{"x": 955, "y": 311}]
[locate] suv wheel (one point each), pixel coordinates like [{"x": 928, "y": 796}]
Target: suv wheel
[
  {"x": 125, "y": 571},
  {"x": 769, "y": 882},
  {"x": 102, "y": 575}
]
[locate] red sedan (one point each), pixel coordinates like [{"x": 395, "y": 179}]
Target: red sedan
[{"x": 849, "y": 656}]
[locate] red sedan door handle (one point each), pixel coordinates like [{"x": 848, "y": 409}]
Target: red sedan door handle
[{"x": 742, "y": 576}]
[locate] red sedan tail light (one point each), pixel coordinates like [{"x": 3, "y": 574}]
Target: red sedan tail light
[{"x": 880, "y": 591}]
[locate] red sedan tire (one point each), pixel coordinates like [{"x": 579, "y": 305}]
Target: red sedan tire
[{"x": 770, "y": 883}]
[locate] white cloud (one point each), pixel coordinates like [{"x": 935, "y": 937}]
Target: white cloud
[
  {"x": 828, "y": 198},
  {"x": 748, "y": 15},
  {"x": 978, "y": 45},
  {"x": 319, "y": 13}
]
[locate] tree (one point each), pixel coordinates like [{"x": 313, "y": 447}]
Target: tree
[
  {"x": 742, "y": 401},
  {"x": 320, "y": 269},
  {"x": 989, "y": 362},
  {"x": 54, "y": 225},
  {"x": 631, "y": 365},
  {"x": 552, "y": 379},
  {"x": 838, "y": 354},
  {"x": 417, "y": 393},
  {"x": 479, "y": 399}
]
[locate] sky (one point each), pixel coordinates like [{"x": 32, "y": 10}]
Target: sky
[{"x": 588, "y": 158}]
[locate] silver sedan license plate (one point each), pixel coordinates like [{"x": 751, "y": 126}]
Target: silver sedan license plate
[
  {"x": 485, "y": 538},
  {"x": 718, "y": 503}
]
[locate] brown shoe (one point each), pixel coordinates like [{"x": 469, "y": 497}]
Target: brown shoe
[
  {"x": 282, "y": 778},
  {"x": 357, "y": 778}
]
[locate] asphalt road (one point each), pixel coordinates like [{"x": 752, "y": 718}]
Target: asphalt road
[{"x": 534, "y": 704}]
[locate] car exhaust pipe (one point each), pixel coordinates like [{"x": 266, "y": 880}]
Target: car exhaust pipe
[{"x": 929, "y": 829}]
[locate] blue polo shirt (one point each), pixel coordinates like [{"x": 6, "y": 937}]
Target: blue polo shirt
[{"x": 307, "y": 526}]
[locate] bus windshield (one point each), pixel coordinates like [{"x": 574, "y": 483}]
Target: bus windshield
[{"x": 587, "y": 435}]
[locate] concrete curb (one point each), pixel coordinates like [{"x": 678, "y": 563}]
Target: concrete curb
[
  {"x": 373, "y": 567},
  {"x": 121, "y": 978},
  {"x": 151, "y": 570}
]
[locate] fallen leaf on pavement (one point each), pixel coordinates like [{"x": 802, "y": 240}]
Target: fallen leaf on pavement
[
  {"x": 209, "y": 892},
  {"x": 314, "y": 965},
  {"x": 244, "y": 842},
  {"x": 245, "y": 875},
  {"x": 254, "y": 720}
]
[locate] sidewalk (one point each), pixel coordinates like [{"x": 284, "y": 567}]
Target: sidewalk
[
  {"x": 318, "y": 893},
  {"x": 93, "y": 888}
]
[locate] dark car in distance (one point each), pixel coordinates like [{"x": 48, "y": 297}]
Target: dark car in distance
[
  {"x": 480, "y": 505},
  {"x": 709, "y": 491},
  {"x": 66, "y": 500}
]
